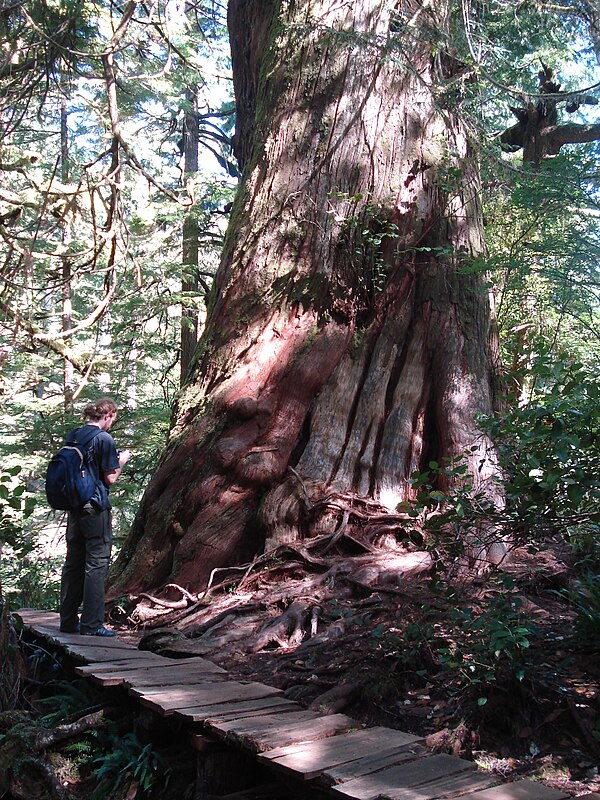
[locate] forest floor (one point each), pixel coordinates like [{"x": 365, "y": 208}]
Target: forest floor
[{"x": 491, "y": 668}]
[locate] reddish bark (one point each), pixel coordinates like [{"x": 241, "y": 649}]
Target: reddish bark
[{"x": 345, "y": 338}]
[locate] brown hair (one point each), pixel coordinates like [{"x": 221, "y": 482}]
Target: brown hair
[{"x": 98, "y": 409}]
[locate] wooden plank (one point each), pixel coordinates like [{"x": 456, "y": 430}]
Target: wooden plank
[
  {"x": 152, "y": 675},
  {"x": 462, "y": 783},
  {"x": 155, "y": 667},
  {"x": 236, "y": 707},
  {"x": 270, "y": 722},
  {"x": 99, "y": 654},
  {"x": 29, "y": 611},
  {"x": 183, "y": 664},
  {"x": 120, "y": 664},
  {"x": 90, "y": 648},
  {"x": 82, "y": 646},
  {"x": 415, "y": 773},
  {"x": 400, "y": 738},
  {"x": 91, "y": 655},
  {"x": 151, "y": 662},
  {"x": 101, "y": 641},
  {"x": 286, "y": 706},
  {"x": 75, "y": 642},
  {"x": 157, "y": 679},
  {"x": 209, "y": 666},
  {"x": 259, "y": 735},
  {"x": 374, "y": 763},
  {"x": 519, "y": 790},
  {"x": 166, "y": 702},
  {"x": 34, "y": 616},
  {"x": 143, "y": 679},
  {"x": 104, "y": 678},
  {"x": 311, "y": 759}
]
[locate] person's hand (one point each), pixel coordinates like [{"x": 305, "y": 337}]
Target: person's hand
[{"x": 124, "y": 456}]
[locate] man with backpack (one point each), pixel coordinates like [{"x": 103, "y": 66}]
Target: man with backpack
[{"x": 89, "y": 527}]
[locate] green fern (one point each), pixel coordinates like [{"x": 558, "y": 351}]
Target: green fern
[
  {"x": 128, "y": 757},
  {"x": 68, "y": 699}
]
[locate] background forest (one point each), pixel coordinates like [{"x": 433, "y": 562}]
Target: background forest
[{"x": 116, "y": 179}]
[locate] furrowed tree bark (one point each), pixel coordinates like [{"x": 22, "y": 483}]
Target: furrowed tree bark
[{"x": 346, "y": 337}]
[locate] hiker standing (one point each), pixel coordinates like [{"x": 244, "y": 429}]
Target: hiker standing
[{"x": 89, "y": 529}]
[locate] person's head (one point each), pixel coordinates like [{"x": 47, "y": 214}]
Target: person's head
[{"x": 102, "y": 412}]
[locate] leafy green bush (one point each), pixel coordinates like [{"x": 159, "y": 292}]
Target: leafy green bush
[
  {"x": 491, "y": 644},
  {"x": 15, "y": 506},
  {"x": 32, "y": 581},
  {"x": 584, "y": 596},
  {"x": 550, "y": 452}
]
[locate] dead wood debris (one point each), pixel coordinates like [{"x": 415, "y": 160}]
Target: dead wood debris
[{"x": 24, "y": 772}]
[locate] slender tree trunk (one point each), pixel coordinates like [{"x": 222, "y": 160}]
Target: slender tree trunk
[
  {"x": 347, "y": 342},
  {"x": 189, "y": 311},
  {"x": 67, "y": 307}
]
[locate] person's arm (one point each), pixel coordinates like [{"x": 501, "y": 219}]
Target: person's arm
[{"x": 111, "y": 476}]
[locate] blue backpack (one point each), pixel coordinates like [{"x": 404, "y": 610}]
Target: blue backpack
[{"x": 69, "y": 481}]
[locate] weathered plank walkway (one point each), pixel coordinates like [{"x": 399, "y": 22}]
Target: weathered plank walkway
[{"x": 333, "y": 754}]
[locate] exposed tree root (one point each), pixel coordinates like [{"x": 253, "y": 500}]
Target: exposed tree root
[
  {"x": 286, "y": 631},
  {"x": 458, "y": 741},
  {"x": 336, "y": 698},
  {"x": 29, "y": 774}
]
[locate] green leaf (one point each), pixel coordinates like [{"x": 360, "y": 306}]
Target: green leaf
[{"x": 575, "y": 493}]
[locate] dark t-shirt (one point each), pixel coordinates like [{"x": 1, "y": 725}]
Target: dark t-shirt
[{"x": 101, "y": 456}]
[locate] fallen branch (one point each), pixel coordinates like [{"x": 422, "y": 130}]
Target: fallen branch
[{"x": 46, "y": 737}]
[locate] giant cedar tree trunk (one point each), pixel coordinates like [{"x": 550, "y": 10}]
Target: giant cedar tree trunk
[{"x": 345, "y": 338}]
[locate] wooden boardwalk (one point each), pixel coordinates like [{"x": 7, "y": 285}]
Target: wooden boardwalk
[{"x": 332, "y": 753}]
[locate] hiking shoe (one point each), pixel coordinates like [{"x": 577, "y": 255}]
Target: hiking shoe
[
  {"x": 65, "y": 629},
  {"x": 101, "y": 631}
]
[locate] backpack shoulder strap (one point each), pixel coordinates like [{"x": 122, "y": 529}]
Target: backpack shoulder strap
[{"x": 82, "y": 441}]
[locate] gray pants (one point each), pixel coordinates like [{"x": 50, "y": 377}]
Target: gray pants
[{"x": 89, "y": 542}]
